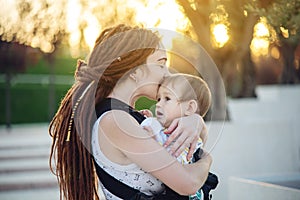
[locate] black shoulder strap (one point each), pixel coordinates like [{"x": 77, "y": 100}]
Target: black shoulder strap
[
  {"x": 113, "y": 185},
  {"x": 115, "y": 104}
]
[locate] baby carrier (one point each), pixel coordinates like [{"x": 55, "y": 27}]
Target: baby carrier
[{"x": 126, "y": 192}]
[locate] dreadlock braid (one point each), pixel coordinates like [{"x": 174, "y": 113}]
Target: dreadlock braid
[{"x": 117, "y": 50}]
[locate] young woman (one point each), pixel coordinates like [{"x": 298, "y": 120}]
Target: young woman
[{"x": 88, "y": 131}]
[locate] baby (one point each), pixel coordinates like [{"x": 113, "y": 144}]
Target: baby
[{"x": 179, "y": 95}]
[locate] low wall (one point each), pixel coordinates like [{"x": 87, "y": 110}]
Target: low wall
[
  {"x": 280, "y": 187},
  {"x": 262, "y": 139}
]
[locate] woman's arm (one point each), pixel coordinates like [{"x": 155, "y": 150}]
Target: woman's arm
[
  {"x": 190, "y": 180},
  {"x": 187, "y": 130},
  {"x": 128, "y": 137}
]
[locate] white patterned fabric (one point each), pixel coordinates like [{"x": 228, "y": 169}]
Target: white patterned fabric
[
  {"x": 161, "y": 137},
  {"x": 131, "y": 175}
]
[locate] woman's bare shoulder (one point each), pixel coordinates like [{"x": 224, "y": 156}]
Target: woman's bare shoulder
[{"x": 121, "y": 124}]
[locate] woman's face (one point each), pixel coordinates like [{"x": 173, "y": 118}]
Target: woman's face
[{"x": 156, "y": 71}]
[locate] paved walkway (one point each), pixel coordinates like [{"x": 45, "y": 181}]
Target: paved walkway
[
  {"x": 268, "y": 123},
  {"x": 24, "y": 164},
  {"x": 24, "y": 168}
]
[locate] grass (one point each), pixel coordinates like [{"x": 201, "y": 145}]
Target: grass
[
  {"x": 30, "y": 102},
  {"x": 62, "y": 66}
]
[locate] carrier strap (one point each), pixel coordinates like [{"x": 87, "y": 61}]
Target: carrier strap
[
  {"x": 113, "y": 185},
  {"x": 126, "y": 192}
]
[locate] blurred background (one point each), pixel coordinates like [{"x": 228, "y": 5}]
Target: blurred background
[
  {"x": 255, "y": 45},
  {"x": 251, "y": 42}
]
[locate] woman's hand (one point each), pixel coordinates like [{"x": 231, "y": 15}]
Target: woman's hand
[{"x": 186, "y": 132}]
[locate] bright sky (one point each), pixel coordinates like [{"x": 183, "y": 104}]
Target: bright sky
[
  {"x": 151, "y": 14},
  {"x": 161, "y": 14}
]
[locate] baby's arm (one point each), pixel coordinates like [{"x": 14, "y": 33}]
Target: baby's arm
[
  {"x": 153, "y": 126},
  {"x": 146, "y": 113}
]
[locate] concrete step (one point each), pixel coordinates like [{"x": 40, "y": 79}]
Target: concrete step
[
  {"x": 33, "y": 194},
  {"x": 22, "y": 165},
  {"x": 27, "y": 180},
  {"x": 24, "y": 160},
  {"x": 273, "y": 102},
  {"x": 23, "y": 153}
]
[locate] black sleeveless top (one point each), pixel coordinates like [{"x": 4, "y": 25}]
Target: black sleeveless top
[
  {"x": 115, "y": 104},
  {"x": 109, "y": 182}
]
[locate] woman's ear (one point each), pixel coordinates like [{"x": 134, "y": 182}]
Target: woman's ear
[
  {"x": 133, "y": 76},
  {"x": 191, "y": 108},
  {"x": 136, "y": 75}
]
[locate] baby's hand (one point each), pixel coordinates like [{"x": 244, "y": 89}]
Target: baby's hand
[{"x": 146, "y": 113}]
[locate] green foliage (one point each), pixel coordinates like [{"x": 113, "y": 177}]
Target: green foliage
[
  {"x": 145, "y": 103},
  {"x": 283, "y": 16},
  {"x": 38, "y": 23},
  {"x": 29, "y": 102},
  {"x": 62, "y": 66}
]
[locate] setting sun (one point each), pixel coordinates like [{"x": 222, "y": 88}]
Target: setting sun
[
  {"x": 220, "y": 35},
  {"x": 165, "y": 15}
]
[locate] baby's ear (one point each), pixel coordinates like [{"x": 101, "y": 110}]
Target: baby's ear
[{"x": 191, "y": 108}]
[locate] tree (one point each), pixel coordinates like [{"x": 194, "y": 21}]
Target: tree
[
  {"x": 233, "y": 59},
  {"x": 45, "y": 25},
  {"x": 39, "y": 24},
  {"x": 284, "y": 17},
  {"x": 12, "y": 58}
]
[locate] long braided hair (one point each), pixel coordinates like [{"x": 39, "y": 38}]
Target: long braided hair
[{"x": 117, "y": 50}]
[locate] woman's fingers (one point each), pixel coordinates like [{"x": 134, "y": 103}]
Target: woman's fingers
[
  {"x": 192, "y": 149},
  {"x": 204, "y": 134},
  {"x": 185, "y": 134},
  {"x": 172, "y": 131},
  {"x": 172, "y": 126},
  {"x": 181, "y": 143}
]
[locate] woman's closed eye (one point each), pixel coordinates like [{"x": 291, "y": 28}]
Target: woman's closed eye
[{"x": 162, "y": 61}]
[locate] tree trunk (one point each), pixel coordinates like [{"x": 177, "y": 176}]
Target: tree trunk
[
  {"x": 200, "y": 21},
  {"x": 248, "y": 76},
  {"x": 8, "y": 99},
  {"x": 235, "y": 61},
  {"x": 289, "y": 74}
]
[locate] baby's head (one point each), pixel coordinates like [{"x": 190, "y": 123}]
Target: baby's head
[{"x": 181, "y": 95}]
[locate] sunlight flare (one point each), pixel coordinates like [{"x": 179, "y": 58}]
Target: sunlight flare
[
  {"x": 220, "y": 35},
  {"x": 166, "y": 18},
  {"x": 260, "y": 42}
]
